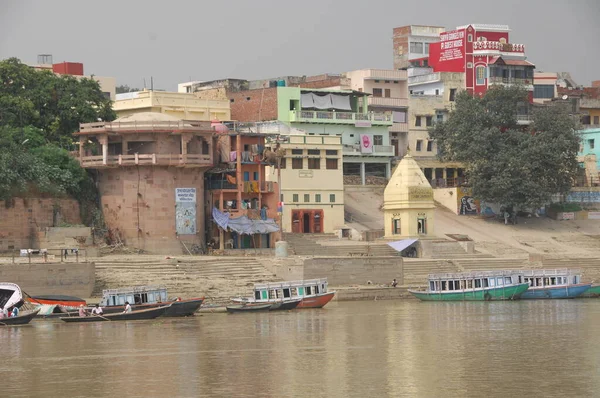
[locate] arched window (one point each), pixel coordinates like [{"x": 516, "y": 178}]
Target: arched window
[{"x": 480, "y": 74}]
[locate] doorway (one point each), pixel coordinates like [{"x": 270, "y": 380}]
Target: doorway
[
  {"x": 422, "y": 226},
  {"x": 306, "y": 223}
]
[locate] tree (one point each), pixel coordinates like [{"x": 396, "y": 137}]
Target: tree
[
  {"x": 507, "y": 163},
  {"x": 124, "y": 88}
]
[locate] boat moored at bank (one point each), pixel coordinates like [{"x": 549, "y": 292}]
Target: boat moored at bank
[
  {"x": 553, "y": 284},
  {"x": 313, "y": 293},
  {"x": 473, "y": 286}
]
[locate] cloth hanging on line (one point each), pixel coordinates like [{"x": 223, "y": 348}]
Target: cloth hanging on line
[
  {"x": 231, "y": 179},
  {"x": 233, "y": 156},
  {"x": 244, "y": 225}
]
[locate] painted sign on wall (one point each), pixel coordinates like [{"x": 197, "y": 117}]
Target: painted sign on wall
[
  {"x": 366, "y": 143},
  {"x": 467, "y": 205},
  {"x": 448, "y": 54},
  {"x": 420, "y": 193},
  {"x": 594, "y": 215},
  {"x": 185, "y": 211}
]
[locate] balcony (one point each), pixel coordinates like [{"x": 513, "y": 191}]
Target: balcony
[
  {"x": 388, "y": 102},
  {"x": 510, "y": 81},
  {"x": 350, "y": 118},
  {"x": 153, "y": 159},
  {"x": 524, "y": 119},
  {"x": 399, "y": 128},
  {"x": 265, "y": 186},
  {"x": 145, "y": 126},
  {"x": 495, "y": 46},
  {"x": 385, "y": 74},
  {"x": 378, "y": 150},
  {"x": 428, "y": 78}
]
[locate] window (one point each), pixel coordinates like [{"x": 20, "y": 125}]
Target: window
[
  {"x": 331, "y": 152},
  {"x": 416, "y": 48},
  {"x": 437, "y": 91},
  {"x": 469, "y": 38},
  {"x": 439, "y": 116},
  {"x": 318, "y": 198},
  {"x": 377, "y": 81},
  {"x": 314, "y": 163},
  {"x": 295, "y": 198},
  {"x": 419, "y": 145},
  {"x": 377, "y": 140},
  {"x": 399, "y": 117},
  {"x": 469, "y": 65},
  {"x": 428, "y": 120},
  {"x": 591, "y": 142},
  {"x": 388, "y": 93},
  {"x": 426, "y": 48},
  {"x": 331, "y": 164},
  {"x": 306, "y": 197},
  {"x": 377, "y": 92},
  {"x": 296, "y": 151},
  {"x": 332, "y": 198},
  {"x": 314, "y": 152},
  {"x": 246, "y": 176},
  {"x": 396, "y": 226},
  {"x": 255, "y": 175},
  {"x": 596, "y": 119},
  {"x": 418, "y": 121},
  {"x": 429, "y": 145},
  {"x": 296, "y": 163},
  {"x": 543, "y": 91},
  {"x": 452, "y": 96},
  {"x": 480, "y": 73}
]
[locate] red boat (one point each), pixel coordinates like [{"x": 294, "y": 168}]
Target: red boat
[
  {"x": 55, "y": 299},
  {"x": 316, "y": 301}
]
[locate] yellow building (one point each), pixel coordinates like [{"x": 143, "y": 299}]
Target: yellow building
[
  {"x": 183, "y": 106},
  {"x": 408, "y": 203},
  {"x": 312, "y": 184}
]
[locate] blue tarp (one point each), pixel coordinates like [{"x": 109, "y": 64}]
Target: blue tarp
[
  {"x": 400, "y": 245},
  {"x": 243, "y": 225}
]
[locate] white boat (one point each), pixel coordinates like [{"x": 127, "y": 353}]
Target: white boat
[
  {"x": 10, "y": 295},
  {"x": 312, "y": 292}
]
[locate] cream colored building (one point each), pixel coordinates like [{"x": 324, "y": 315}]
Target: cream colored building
[
  {"x": 312, "y": 184},
  {"x": 183, "y": 106},
  {"x": 408, "y": 203}
]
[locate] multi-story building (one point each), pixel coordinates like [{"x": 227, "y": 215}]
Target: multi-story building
[
  {"x": 411, "y": 45},
  {"x": 389, "y": 95},
  {"x": 183, "y": 106},
  {"x": 545, "y": 87},
  {"x": 150, "y": 174},
  {"x": 312, "y": 186},
  {"x": 238, "y": 186}
]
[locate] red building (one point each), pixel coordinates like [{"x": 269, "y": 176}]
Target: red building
[{"x": 486, "y": 56}]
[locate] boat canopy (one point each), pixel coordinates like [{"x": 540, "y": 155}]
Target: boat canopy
[
  {"x": 10, "y": 295},
  {"x": 134, "y": 295}
]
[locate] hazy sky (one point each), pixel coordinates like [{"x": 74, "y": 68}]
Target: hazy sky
[{"x": 175, "y": 41}]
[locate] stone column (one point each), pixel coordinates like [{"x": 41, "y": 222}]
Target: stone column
[
  {"x": 388, "y": 170},
  {"x": 103, "y": 139},
  {"x": 362, "y": 174},
  {"x": 82, "y": 141}
]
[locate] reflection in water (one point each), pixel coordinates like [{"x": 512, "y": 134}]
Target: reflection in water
[{"x": 373, "y": 349}]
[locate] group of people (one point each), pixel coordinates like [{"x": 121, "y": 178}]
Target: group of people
[
  {"x": 9, "y": 313},
  {"x": 97, "y": 310}
]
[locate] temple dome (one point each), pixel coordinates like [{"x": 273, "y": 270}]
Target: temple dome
[{"x": 408, "y": 187}]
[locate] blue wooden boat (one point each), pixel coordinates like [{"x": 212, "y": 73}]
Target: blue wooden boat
[{"x": 553, "y": 284}]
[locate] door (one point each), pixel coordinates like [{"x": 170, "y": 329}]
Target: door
[{"x": 305, "y": 223}]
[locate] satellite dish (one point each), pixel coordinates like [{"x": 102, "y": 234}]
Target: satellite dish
[{"x": 565, "y": 97}]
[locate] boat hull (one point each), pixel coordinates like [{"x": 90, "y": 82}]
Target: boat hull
[
  {"x": 66, "y": 301},
  {"x": 317, "y": 301},
  {"x": 184, "y": 308},
  {"x": 490, "y": 294},
  {"x": 19, "y": 320},
  {"x": 285, "y": 305},
  {"x": 130, "y": 316},
  {"x": 556, "y": 292},
  {"x": 248, "y": 308},
  {"x": 592, "y": 292}
]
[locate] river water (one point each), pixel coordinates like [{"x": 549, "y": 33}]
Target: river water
[{"x": 348, "y": 349}]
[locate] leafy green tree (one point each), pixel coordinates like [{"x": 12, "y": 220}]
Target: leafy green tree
[
  {"x": 508, "y": 163},
  {"x": 124, "y": 88}
]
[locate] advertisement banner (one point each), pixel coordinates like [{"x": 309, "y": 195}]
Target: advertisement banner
[
  {"x": 448, "y": 55},
  {"x": 185, "y": 211},
  {"x": 366, "y": 143}
]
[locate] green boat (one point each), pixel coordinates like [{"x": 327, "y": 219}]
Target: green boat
[
  {"x": 473, "y": 286},
  {"x": 592, "y": 292}
]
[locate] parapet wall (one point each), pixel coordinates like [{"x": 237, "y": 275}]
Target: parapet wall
[{"x": 72, "y": 279}]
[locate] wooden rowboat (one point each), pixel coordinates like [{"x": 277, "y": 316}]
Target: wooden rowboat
[
  {"x": 184, "y": 307},
  {"x": 19, "y": 320},
  {"x": 285, "y": 305},
  {"x": 248, "y": 308},
  {"x": 150, "y": 313}
]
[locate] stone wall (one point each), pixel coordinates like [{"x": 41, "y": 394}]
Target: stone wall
[
  {"x": 254, "y": 105},
  {"x": 354, "y": 270},
  {"x": 23, "y": 218},
  {"x": 72, "y": 279}
]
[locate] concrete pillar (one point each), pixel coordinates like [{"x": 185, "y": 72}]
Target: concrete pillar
[
  {"x": 388, "y": 170},
  {"x": 104, "y": 142},
  {"x": 82, "y": 142},
  {"x": 124, "y": 146},
  {"x": 362, "y": 174}
]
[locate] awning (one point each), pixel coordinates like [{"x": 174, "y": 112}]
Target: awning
[{"x": 400, "y": 245}]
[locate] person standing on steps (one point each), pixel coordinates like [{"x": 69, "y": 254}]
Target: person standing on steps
[{"x": 394, "y": 283}]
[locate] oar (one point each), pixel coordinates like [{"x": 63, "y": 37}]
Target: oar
[{"x": 100, "y": 316}]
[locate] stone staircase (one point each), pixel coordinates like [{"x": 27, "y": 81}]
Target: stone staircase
[
  {"x": 590, "y": 267},
  {"x": 331, "y": 245},
  {"x": 216, "y": 278},
  {"x": 416, "y": 270},
  {"x": 490, "y": 264}
]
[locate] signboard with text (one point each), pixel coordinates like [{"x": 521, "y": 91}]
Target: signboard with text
[
  {"x": 448, "y": 55},
  {"x": 185, "y": 211}
]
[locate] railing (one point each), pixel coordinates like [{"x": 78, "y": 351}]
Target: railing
[
  {"x": 497, "y": 46},
  {"x": 590, "y": 126},
  {"x": 386, "y": 74},
  {"x": 183, "y": 125},
  {"x": 224, "y": 184},
  {"x": 524, "y": 119},
  {"x": 431, "y": 77},
  {"x": 339, "y": 117},
  {"x": 451, "y": 182},
  {"x": 509, "y": 80},
  {"x": 383, "y": 150},
  {"x": 146, "y": 159},
  {"x": 385, "y": 101},
  {"x": 378, "y": 150}
]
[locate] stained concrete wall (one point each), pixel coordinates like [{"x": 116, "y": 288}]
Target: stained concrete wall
[
  {"x": 22, "y": 219},
  {"x": 354, "y": 270},
  {"x": 72, "y": 279}
]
